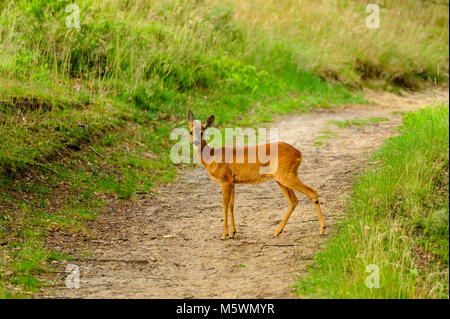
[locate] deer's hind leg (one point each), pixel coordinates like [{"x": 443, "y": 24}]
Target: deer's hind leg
[
  {"x": 293, "y": 201},
  {"x": 295, "y": 183}
]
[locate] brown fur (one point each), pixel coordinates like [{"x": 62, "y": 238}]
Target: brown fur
[{"x": 284, "y": 172}]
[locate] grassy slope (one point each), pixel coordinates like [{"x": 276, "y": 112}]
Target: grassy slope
[
  {"x": 398, "y": 220},
  {"x": 86, "y": 114}
]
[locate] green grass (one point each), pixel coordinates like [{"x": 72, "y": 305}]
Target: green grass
[
  {"x": 21, "y": 264},
  {"x": 326, "y": 135},
  {"x": 86, "y": 114},
  {"x": 398, "y": 220},
  {"x": 319, "y": 143},
  {"x": 408, "y": 49},
  {"x": 348, "y": 123},
  {"x": 38, "y": 123}
]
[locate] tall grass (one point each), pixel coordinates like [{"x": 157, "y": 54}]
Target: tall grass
[
  {"x": 173, "y": 43},
  {"x": 330, "y": 38},
  {"x": 144, "y": 47},
  {"x": 398, "y": 220}
]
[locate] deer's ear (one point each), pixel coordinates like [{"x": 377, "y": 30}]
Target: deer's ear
[
  {"x": 191, "y": 117},
  {"x": 209, "y": 121}
]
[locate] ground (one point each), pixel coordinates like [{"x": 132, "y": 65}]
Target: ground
[{"x": 168, "y": 244}]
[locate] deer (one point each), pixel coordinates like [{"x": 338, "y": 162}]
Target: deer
[{"x": 283, "y": 169}]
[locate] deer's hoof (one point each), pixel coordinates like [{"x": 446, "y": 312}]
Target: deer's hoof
[
  {"x": 322, "y": 230},
  {"x": 224, "y": 237}
]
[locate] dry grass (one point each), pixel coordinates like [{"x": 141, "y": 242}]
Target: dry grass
[{"x": 331, "y": 38}]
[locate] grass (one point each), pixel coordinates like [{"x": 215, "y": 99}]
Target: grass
[
  {"x": 397, "y": 220},
  {"x": 348, "y": 123},
  {"x": 410, "y": 46},
  {"x": 86, "y": 114},
  {"x": 39, "y": 123},
  {"x": 327, "y": 133},
  {"x": 319, "y": 143}
]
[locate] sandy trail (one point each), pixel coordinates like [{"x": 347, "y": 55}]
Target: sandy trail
[{"x": 169, "y": 246}]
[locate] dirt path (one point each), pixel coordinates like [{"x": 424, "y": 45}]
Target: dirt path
[{"x": 169, "y": 246}]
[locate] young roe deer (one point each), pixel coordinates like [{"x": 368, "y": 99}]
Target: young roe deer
[{"x": 247, "y": 172}]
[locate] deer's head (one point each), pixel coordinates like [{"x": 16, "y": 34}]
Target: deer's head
[{"x": 196, "y": 130}]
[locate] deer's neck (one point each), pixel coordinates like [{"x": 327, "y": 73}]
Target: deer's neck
[{"x": 204, "y": 149}]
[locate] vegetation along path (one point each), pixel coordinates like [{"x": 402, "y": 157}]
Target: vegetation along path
[{"x": 169, "y": 245}]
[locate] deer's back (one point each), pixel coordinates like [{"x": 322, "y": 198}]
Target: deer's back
[{"x": 244, "y": 166}]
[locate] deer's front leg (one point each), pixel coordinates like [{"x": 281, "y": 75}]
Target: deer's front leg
[
  {"x": 226, "y": 188},
  {"x": 231, "y": 209}
]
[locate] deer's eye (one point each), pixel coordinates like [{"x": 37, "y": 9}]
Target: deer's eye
[{"x": 190, "y": 133}]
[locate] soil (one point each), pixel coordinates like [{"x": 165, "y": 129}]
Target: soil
[{"x": 168, "y": 245}]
